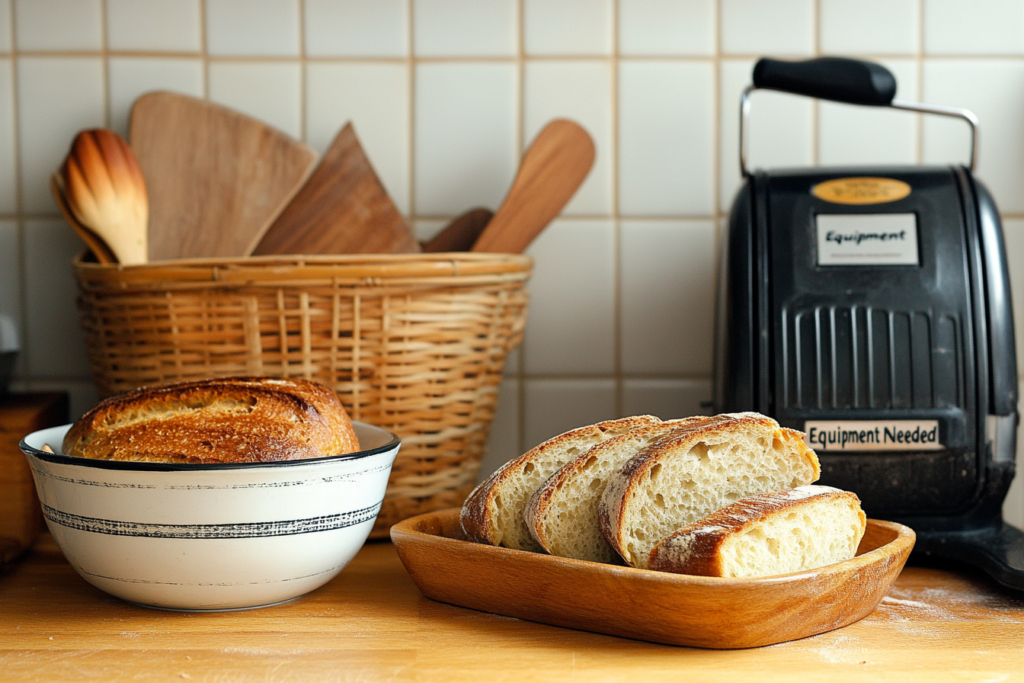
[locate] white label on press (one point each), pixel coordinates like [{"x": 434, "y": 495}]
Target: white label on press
[
  {"x": 873, "y": 435},
  {"x": 875, "y": 239}
]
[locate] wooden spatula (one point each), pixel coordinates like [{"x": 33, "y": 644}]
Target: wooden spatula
[
  {"x": 551, "y": 171},
  {"x": 462, "y": 233},
  {"x": 342, "y": 209},
  {"x": 216, "y": 178}
]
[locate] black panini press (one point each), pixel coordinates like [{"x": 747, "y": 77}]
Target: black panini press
[{"x": 870, "y": 308}]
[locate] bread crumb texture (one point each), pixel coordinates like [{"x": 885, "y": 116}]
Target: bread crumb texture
[
  {"x": 694, "y": 471},
  {"x": 767, "y": 535}
]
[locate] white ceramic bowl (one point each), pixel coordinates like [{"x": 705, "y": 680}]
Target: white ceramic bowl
[{"x": 211, "y": 537}]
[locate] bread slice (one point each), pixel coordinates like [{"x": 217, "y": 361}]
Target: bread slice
[
  {"x": 767, "y": 535},
  {"x": 562, "y": 514},
  {"x": 692, "y": 472},
  {"x": 493, "y": 513}
]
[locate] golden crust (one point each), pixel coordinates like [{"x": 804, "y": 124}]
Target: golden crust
[
  {"x": 479, "y": 512},
  {"x": 232, "y": 420},
  {"x": 696, "y": 549},
  {"x": 624, "y": 484},
  {"x": 536, "y": 512}
]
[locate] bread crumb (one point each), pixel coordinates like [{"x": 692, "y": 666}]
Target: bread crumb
[
  {"x": 184, "y": 675},
  {"x": 46, "y": 447}
]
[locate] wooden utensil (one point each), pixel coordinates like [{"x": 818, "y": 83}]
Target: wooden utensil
[
  {"x": 102, "y": 185},
  {"x": 342, "y": 209},
  {"x": 696, "y": 611},
  {"x": 462, "y": 233},
  {"x": 551, "y": 171},
  {"x": 91, "y": 239},
  {"x": 217, "y": 179}
]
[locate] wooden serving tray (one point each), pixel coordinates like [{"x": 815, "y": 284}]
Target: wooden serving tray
[{"x": 675, "y": 609}]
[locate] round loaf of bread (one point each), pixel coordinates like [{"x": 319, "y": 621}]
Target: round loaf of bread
[{"x": 232, "y": 420}]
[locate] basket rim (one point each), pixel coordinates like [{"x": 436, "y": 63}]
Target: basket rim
[{"x": 304, "y": 267}]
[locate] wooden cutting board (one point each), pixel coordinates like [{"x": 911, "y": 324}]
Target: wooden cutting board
[
  {"x": 216, "y": 178},
  {"x": 342, "y": 209}
]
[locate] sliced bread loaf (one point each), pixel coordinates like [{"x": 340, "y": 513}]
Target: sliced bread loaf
[
  {"x": 493, "y": 513},
  {"x": 562, "y": 513},
  {"x": 690, "y": 473},
  {"x": 767, "y": 535}
]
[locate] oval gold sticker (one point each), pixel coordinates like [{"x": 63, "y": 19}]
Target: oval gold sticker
[{"x": 861, "y": 190}]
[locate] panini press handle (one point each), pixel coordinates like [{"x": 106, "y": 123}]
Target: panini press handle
[
  {"x": 829, "y": 78},
  {"x": 839, "y": 79}
]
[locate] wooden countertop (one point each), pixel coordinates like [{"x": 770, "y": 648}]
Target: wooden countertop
[{"x": 371, "y": 623}]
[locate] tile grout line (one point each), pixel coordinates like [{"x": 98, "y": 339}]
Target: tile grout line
[
  {"x": 106, "y": 63},
  {"x": 617, "y": 218},
  {"x": 303, "y": 76},
  {"x": 410, "y": 72},
  {"x": 919, "y": 119},
  {"x": 815, "y": 103},
  {"x": 521, "y": 370},
  {"x": 203, "y": 50},
  {"x": 19, "y": 203}
]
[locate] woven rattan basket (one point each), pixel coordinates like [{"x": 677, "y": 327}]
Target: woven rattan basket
[{"x": 412, "y": 343}]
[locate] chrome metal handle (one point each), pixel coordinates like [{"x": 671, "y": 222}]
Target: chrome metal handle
[{"x": 941, "y": 110}]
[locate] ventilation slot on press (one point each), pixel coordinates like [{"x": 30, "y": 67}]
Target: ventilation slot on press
[{"x": 837, "y": 358}]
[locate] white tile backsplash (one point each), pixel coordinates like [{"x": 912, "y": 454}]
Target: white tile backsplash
[
  {"x": 269, "y": 91},
  {"x": 54, "y": 343},
  {"x": 666, "y": 138},
  {"x": 581, "y": 91},
  {"x": 446, "y": 94},
  {"x": 8, "y": 169},
  {"x": 58, "y": 24},
  {"x": 130, "y": 77},
  {"x": 783, "y": 27},
  {"x": 5, "y": 26},
  {"x": 554, "y": 406},
  {"x": 668, "y": 294},
  {"x": 252, "y": 27},
  {"x": 850, "y": 135},
  {"x": 781, "y": 129},
  {"x": 375, "y": 98},
  {"x": 503, "y": 441},
  {"x": 154, "y": 25},
  {"x": 666, "y": 27},
  {"x": 10, "y": 273},
  {"x": 357, "y": 28},
  {"x": 572, "y": 300},
  {"x": 858, "y": 27},
  {"x": 978, "y": 27},
  {"x": 57, "y": 97},
  {"x": 465, "y": 135},
  {"x": 991, "y": 88},
  {"x": 666, "y": 398},
  {"x": 567, "y": 27},
  {"x": 447, "y": 28}
]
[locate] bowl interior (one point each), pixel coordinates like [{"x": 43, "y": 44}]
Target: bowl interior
[{"x": 372, "y": 440}]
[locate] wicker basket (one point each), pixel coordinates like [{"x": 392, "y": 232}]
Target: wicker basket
[{"x": 412, "y": 343}]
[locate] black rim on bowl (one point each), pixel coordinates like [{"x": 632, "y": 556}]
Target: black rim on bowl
[{"x": 61, "y": 459}]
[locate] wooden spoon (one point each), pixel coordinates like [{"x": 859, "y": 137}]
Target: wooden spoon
[
  {"x": 91, "y": 239},
  {"x": 102, "y": 185},
  {"x": 552, "y": 170},
  {"x": 342, "y": 209},
  {"x": 462, "y": 233}
]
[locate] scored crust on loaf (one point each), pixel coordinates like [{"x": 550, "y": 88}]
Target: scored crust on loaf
[
  {"x": 231, "y": 420},
  {"x": 493, "y": 512},
  {"x": 767, "y": 535},
  {"x": 690, "y": 473},
  {"x": 562, "y": 514}
]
